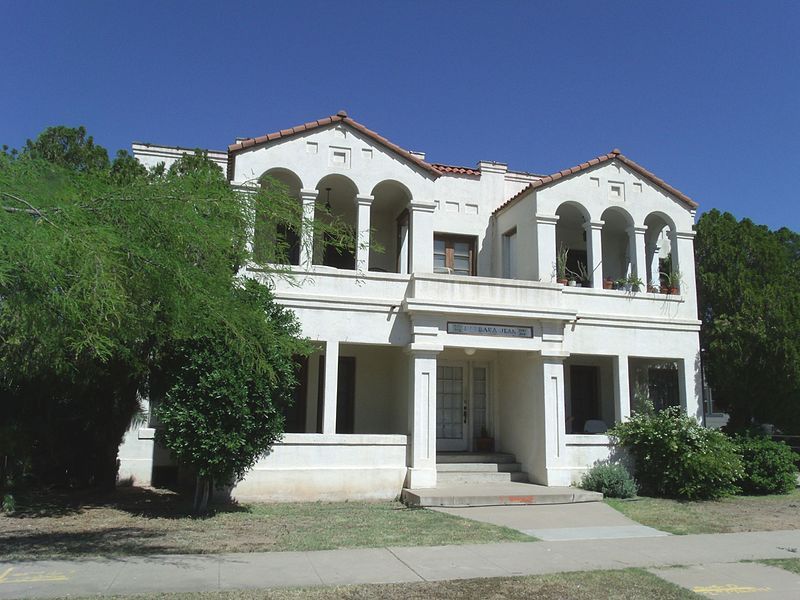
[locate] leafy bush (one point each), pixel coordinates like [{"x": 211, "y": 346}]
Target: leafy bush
[
  {"x": 613, "y": 481},
  {"x": 8, "y": 505},
  {"x": 768, "y": 466},
  {"x": 676, "y": 457}
]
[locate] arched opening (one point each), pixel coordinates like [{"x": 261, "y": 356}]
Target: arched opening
[
  {"x": 662, "y": 268},
  {"x": 336, "y": 199},
  {"x": 389, "y": 220},
  {"x": 617, "y": 244},
  {"x": 572, "y": 260},
  {"x": 278, "y": 241}
]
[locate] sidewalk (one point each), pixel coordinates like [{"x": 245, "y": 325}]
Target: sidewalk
[{"x": 173, "y": 573}]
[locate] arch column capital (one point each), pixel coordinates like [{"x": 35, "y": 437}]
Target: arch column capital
[
  {"x": 364, "y": 200},
  {"x": 593, "y": 225},
  {"x": 306, "y": 194}
]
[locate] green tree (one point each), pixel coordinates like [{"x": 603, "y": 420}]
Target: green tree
[
  {"x": 748, "y": 280},
  {"x": 103, "y": 273},
  {"x": 217, "y": 413},
  {"x": 68, "y": 147}
]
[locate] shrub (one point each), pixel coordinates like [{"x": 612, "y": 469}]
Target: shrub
[
  {"x": 8, "y": 505},
  {"x": 768, "y": 466},
  {"x": 676, "y": 457},
  {"x": 613, "y": 481}
]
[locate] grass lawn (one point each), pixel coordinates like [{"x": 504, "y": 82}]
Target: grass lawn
[
  {"x": 629, "y": 584},
  {"x": 141, "y": 521},
  {"x": 790, "y": 564},
  {"x": 739, "y": 513}
]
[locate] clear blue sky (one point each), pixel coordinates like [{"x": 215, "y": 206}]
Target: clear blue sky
[{"x": 705, "y": 94}]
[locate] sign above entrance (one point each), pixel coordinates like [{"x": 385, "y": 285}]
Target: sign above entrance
[{"x": 490, "y": 330}]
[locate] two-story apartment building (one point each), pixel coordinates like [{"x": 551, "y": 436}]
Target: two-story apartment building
[{"x": 448, "y": 323}]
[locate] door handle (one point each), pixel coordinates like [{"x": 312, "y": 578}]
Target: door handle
[{"x": 465, "y": 414}]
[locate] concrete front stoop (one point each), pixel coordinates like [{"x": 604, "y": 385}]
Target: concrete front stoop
[{"x": 469, "y": 479}]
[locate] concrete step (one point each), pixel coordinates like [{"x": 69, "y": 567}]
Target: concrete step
[
  {"x": 478, "y": 467},
  {"x": 496, "y": 494},
  {"x": 444, "y": 458},
  {"x": 448, "y": 478}
]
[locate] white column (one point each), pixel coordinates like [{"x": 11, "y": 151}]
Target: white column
[
  {"x": 363, "y": 208},
  {"x": 622, "y": 389},
  {"x": 594, "y": 252},
  {"x": 683, "y": 261},
  {"x": 545, "y": 247},
  {"x": 309, "y": 200},
  {"x": 422, "y": 236},
  {"x": 422, "y": 419},
  {"x": 331, "y": 386},
  {"x": 554, "y": 419},
  {"x": 637, "y": 252}
]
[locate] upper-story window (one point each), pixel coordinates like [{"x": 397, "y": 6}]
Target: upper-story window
[{"x": 453, "y": 254}]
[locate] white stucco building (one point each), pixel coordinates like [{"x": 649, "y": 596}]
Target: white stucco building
[{"x": 458, "y": 328}]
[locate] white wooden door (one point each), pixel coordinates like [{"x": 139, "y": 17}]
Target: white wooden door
[{"x": 451, "y": 407}]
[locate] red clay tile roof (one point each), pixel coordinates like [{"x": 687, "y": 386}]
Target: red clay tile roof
[
  {"x": 456, "y": 170},
  {"x": 615, "y": 154},
  {"x": 340, "y": 117}
]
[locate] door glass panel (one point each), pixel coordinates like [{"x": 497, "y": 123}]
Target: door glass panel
[
  {"x": 479, "y": 403},
  {"x": 449, "y": 402}
]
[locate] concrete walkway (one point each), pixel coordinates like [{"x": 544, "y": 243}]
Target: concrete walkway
[
  {"x": 171, "y": 573},
  {"x": 579, "y": 521}
]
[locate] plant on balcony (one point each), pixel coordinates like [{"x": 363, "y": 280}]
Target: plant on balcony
[
  {"x": 671, "y": 282},
  {"x": 608, "y": 283},
  {"x": 583, "y": 275},
  {"x": 633, "y": 283},
  {"x": 561, "y": 263}
]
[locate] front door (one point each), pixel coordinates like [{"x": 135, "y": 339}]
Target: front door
[{"x": 451, "y": 407}]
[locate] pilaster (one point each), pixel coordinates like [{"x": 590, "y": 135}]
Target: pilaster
[
  {"x": 422, "y": 236},
  {"x": 545, "y": 246}
]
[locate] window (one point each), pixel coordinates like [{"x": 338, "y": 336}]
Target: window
[
  {"x": 510, "y": 254},
  {"x": 453, "y": 254}
]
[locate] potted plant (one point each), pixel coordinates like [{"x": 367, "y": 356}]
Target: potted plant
[
  {"x": 484, "y": 442},
  {"x": 671, "y": 283},
  {"x": 583, "y": 275},
  {"x": 619, "y": 284},
  {"x": 608, "y": 283},
  {"x": 561, "y": 263},
  {"x": 633, "y": 283}
]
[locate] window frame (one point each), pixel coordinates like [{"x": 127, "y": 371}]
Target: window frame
[{"x": 450, "y": 239}]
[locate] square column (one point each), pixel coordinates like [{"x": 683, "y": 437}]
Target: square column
[
  {"x": 637, "y": 252},
  {"x": 309, "y": 200},
  {"x": 422, "y": 419},
  {"x": 552, "y": 393},
  {"x": 363, "y": 210},
  {"x": 331, "y": 386},
  {"x": 683, "y": 261},
  {"x": 545, "y": 246},
  {"x": 622, "y": 389},
  {"x": 594, "y": 252},
  {"x": 422, "y": 236}
]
